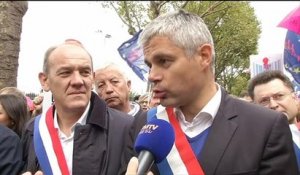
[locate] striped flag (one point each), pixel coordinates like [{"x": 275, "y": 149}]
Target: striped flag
[
  {"x": 291, "y": 55},
  {"x": 132, "y": 53}
]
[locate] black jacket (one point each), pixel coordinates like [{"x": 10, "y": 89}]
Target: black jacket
[
  {"x": 10, "y": 152},
  {"x": 98, "y": 145},
  {"x": 244, "y": 138}
]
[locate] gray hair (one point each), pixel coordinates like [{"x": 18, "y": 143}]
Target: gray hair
[
  {"x": 188, "y": 31},
  {"x": 46, "y": 59},
  {"x": 113, "y": 66}
]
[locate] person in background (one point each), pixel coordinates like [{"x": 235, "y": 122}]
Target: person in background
[
  {"x": 215, "y": 133},
  {"x": 144, "y": 101},
  {"x": 30, "y": 104},
  {"x": 10, "y": 152},
  {"x": 154, "y": 101},
  {"x": 17, "y": 92},
  {"x": 38, "y": 105},
  {"x": 13, "y": 112},
  {"x": 78, "y": 133},
  {"x": 274, "y": 90},
  {"x": 148, "y": 101},
  {"x": 136, "y": 98},
  {"x": 13, "y": 90},
  {"x": 244, "y": 95},
  {"x": 113, "y": 86}
]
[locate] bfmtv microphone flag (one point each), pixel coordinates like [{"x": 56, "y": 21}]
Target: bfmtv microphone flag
[{"x": 132, "y": 53}]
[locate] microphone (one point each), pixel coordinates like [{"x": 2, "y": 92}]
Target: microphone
[{"x": 153, "y": 144}]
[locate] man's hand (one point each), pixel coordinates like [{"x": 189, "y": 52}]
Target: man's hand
[
  {"x": 132, "y": 167},
  {"x": 37, "y": 173}
]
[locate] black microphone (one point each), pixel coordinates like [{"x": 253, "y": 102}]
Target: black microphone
[{"x": 153, "y": 144}]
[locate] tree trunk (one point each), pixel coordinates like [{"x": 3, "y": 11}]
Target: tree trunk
[{"x": 11, "y": 15}]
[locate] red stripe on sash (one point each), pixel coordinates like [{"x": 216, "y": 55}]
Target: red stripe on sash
[
  {"x": 56, "y": 142},
  {"x": 184, "y": 148}
]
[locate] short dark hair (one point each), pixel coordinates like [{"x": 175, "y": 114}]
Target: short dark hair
[{"x": 266, "y": 77}]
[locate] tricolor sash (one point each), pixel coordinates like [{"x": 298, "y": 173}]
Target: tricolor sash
[
  {"x": 181, "y": 159},
  {"x": 47, "y": 145}
]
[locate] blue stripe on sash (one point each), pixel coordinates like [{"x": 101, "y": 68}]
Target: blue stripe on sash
[
  {"x": 151, "y": 114},
  {"x": 164, "y": 168},
  {"x": 40, "y": 149}
]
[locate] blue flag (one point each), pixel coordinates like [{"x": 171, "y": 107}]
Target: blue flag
[
  {"x": 291, "y": 55},
  {"x": 132, "y": 53}
]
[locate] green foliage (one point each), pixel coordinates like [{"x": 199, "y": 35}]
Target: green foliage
[
  {"x": 233, "y": 24},
  {"x": 235, "y": 30},
  {"x": 132, "y": 13}
]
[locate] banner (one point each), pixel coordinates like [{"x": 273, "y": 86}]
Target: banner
[
  {"x": 261, "y": 63},
  {"x": 132, "y": 53}
]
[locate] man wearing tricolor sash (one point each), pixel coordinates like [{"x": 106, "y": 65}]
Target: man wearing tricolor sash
[
  {"x": 77, "y": 133},
  {"x": 215, "y": 133}
]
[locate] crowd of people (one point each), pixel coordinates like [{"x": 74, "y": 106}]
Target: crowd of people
[{"x": 92, "y": 124}]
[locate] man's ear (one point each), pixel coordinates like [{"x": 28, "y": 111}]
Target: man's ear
[
  {"x": 129, "y": 84},
  {"x": 93, "y": 81},
  {"x": 205, "y": 52},
  {"x": 43, "y": 80}
]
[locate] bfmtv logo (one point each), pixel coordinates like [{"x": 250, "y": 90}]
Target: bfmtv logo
[{"x": 149, "y": 128}]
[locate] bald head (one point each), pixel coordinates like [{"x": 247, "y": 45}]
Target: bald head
[{"x": 74, "y": 47}]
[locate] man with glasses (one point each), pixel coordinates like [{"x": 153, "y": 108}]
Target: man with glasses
[{"x": 274, "y": 90}]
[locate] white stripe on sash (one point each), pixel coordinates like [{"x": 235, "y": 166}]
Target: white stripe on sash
[
  {"x": 174, "y": 160},
  {"x": 295, "y": 134},
  {"x": 45, "y": 135}
]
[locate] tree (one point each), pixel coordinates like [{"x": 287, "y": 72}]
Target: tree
[
  {"x": 11, "y": 14},
  {"x": 235, "y": 30},
  {"x": 234, "y": 27}
]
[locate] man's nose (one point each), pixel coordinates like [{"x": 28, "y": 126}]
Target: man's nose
[
  {"x": 76, "y": 78},
  {"x": 273, "y": 104},
  {"x": 109, "y": 88},
  {"x": 154, "y": 75}
]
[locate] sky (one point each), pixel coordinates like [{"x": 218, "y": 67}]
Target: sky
[{"x": 48, "y": 23}]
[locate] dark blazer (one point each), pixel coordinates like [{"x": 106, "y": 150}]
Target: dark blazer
[
  {"x": 98, "y": 145},
  {"x": 244, "y": 139},
  {"x": 10, "y": 152}
]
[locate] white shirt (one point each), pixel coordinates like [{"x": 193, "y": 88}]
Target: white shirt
[
  {"x": 67, "y": 142},
  {"x": 135, "y": 107},
  {"x": 295, "y": 134},
  {"x": 203, "y": 119}
]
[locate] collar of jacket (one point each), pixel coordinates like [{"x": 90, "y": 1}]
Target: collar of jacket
[{"x": 98, "y": 112}]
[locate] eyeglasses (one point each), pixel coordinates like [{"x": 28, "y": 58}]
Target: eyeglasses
[{"x": 265, "y": 101}]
